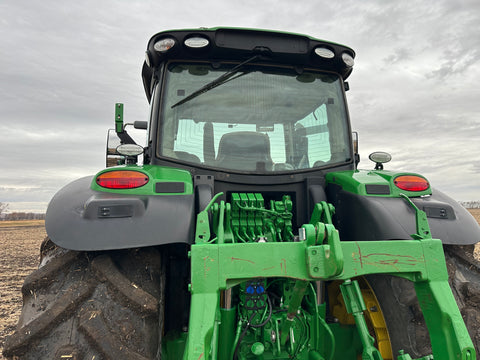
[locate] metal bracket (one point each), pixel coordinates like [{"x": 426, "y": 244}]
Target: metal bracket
[
  {"x": 423, "y": 229},
  {"x": 325, "y": 259}
]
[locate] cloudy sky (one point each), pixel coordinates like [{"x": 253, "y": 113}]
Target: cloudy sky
[{"x": 415, "y": 89}]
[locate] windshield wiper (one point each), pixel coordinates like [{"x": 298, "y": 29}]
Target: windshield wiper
[{"x": 222, "y": 79}]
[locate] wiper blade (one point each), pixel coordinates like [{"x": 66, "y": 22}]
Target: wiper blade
[{"x": 222, "y": 79}]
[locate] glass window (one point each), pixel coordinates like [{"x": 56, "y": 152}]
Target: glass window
[{"x": 254, "y": 119}]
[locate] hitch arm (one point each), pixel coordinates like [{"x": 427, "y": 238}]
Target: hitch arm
[{"x": 356, "y": 306}]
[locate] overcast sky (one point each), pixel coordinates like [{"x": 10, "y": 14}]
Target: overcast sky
[{"x": 415, "y": 89}]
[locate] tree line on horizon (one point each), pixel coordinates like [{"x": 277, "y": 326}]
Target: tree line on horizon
[
  {"x": 13, "y": 216},
  {"x": 18, "y": 215},
  {"x": 471, "y": 204}
]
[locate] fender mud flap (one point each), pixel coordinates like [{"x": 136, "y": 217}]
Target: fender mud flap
[{"x": 82, "y": 219}]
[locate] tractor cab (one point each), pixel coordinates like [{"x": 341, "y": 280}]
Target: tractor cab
[{"x": 222, "y": 103}]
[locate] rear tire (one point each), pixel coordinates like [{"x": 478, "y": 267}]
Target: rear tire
[
  {"x": 79, "y": 305},
  {"x": 404, "y": 319},
  {"x": 464, "y": 278},
  {"x": 401, "y": 310}
]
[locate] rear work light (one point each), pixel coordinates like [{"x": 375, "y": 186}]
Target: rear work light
[
  {"x": 324, "y": 52},
  {"x": 122, "y": 179},
  {"x": 411, "y": 183},
  {"x": 164, "y": 44},
  {"x": 348, "y": 59},
  {"x": 196, "y": 42}
]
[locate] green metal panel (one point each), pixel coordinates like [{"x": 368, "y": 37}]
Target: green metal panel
[
  {"x": 118, "y": 117},
  {"x": 355, "y": 181},
  {"x": 156, "y": 174}
]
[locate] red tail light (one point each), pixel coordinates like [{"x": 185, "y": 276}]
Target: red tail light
[
  {"x": 411, "y": 183},
  {"x": 122, "y": 179}
]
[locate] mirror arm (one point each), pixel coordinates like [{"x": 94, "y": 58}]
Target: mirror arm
[
  {"x": 119, "y": 127},
  {"x": 125, "y": 138}
]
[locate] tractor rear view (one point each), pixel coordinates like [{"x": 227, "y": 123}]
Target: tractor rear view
[{"x": 249, "y": 232}]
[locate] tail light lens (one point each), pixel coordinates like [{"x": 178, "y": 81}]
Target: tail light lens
[
  {"x": 122, "y": 179},
  {"x": 411, "y": 183}
]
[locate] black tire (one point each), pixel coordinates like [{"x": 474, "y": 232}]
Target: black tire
[
  {"x": 406, "y": 327},
  {"x": 79, "y": 305},
  {"x": 401, "y": 310},
  {"x": 464, "y": 278}
]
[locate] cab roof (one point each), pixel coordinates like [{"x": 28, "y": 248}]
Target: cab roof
[{"x": 238, "y": 44}]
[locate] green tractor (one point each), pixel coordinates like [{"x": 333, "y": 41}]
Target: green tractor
[{"x": 248, "y": 232}]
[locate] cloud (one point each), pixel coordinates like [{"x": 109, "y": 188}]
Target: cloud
[
  {"x": 457, "y": 61},
  {"x": 413, "y": 92}
]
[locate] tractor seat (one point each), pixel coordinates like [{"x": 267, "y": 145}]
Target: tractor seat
[
  {"x": 185, "y": 156},
  {"x": 244, "y": 151}
]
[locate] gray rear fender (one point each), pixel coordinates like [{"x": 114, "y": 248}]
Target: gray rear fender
[
  {"x": 79, "y": 218},
  {"x": 391, "y": 218}
]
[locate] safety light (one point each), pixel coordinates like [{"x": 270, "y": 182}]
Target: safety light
[
  {"x": 411, "y": 183},
  {"x": 324, "y": 52},
  {"x": 164, "y": 45},
  {"x": 348, "y": 59},
  {"x": 196, "y": 42},
  {"x": 122, "y": 179}
]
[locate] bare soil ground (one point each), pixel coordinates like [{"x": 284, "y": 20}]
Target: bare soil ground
[
  {"x": 20, "y": 243},
  {"x": 476, "y": 215}
]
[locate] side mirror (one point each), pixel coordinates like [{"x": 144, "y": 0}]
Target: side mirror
[
  {"x": 355, "y": 148},
  {"x": 113, "y": 157},
  {"x": 121, "y": 148}
]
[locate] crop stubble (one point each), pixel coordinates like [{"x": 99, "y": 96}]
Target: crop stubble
[{"x": 20, "y": 242}]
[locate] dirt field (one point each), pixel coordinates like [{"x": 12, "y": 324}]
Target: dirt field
[
  {"x": 476, "y": 214},
  {"x": 20, "y": 242}
]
